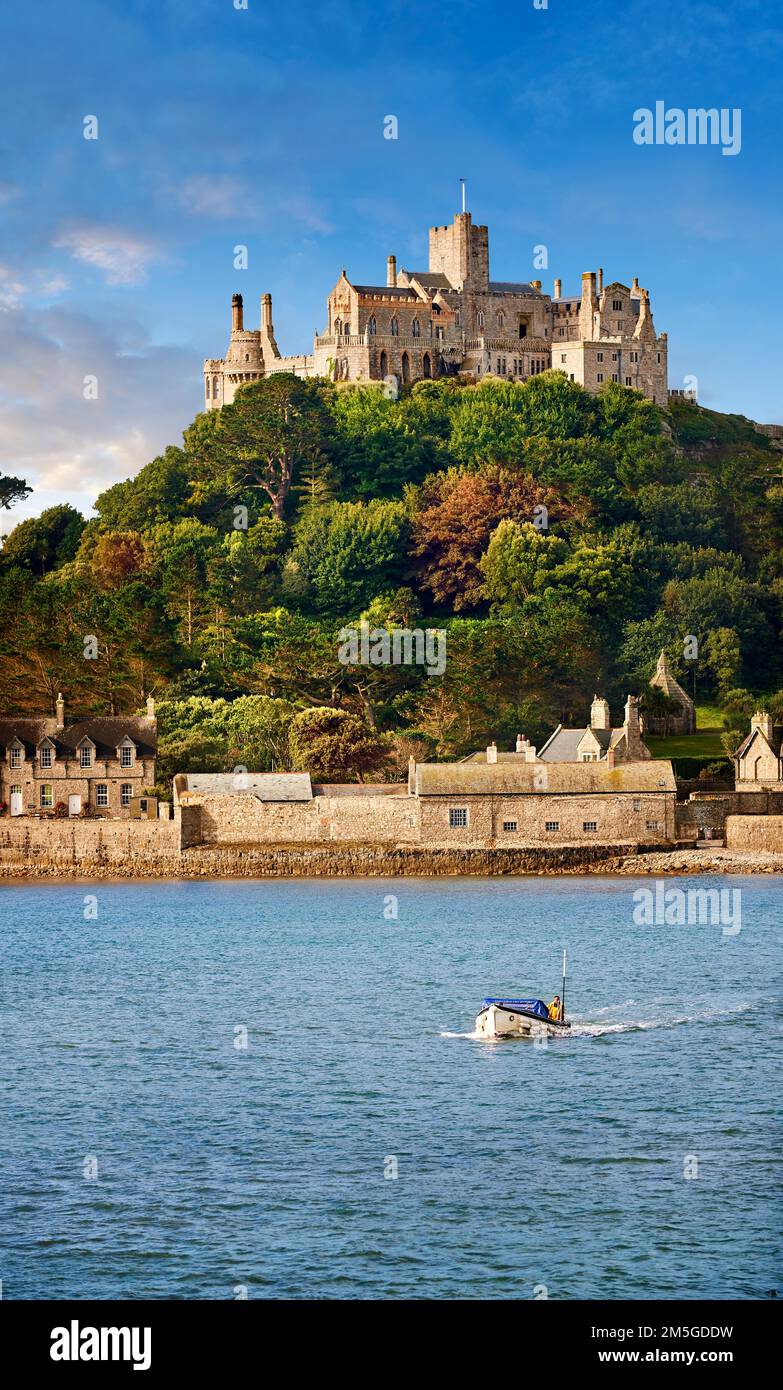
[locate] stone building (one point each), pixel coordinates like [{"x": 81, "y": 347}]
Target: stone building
[
  {"x": 50, "y": 766},
  {"x": 599, "y": 742},
  {"x": 492, "y": 800},
  {"x": 452, "y": 318},
  {"x": 758, "y": 762},
  {"x": 680, "y": 721}
]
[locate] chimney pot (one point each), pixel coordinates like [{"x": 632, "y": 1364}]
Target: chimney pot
[
  {"x": 391, "y": 271},
  {"x": 492, "y": 753},
  {"x": 558, "y": 289}
]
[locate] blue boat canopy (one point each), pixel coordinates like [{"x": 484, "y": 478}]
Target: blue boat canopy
[{"x": 528, "y": 1006}]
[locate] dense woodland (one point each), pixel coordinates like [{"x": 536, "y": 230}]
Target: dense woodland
[{"x": 417, "y": 511}]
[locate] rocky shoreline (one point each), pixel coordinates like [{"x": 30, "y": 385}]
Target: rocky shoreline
[{"x": 364, "y": 861}]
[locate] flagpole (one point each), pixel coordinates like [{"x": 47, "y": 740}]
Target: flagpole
[{"x": 562, "y": 996}]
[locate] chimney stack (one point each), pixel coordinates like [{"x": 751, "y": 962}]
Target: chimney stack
[
  {"x": 558, "y": 289},
  {"x": 236, "y": 313},
  {"x": 536, "y": 284},
  {"x": 599, "y": 714},
  {"x": 150, "y": 707},
  {"x": 266, "y": 314},
  {"x": 600, "y": 280},
  {"x": 391, "y": 272},
  {"x": 530, "y": 753},
  {"x": 60, "y": 711},
  {"x": 492, "y": 752},
  {"x": 763, "y": 722},
  {"x": 521, "y": 741},
  {"x": 610, "y": 758},
  {"x": 635, "y": 287}
]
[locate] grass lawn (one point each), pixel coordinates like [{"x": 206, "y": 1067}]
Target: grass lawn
[{"x": 705, "y": 745}]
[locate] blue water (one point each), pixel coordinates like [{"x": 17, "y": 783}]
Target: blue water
[{"x": 222, "y": 1170}]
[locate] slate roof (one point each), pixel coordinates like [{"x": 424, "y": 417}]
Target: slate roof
[
  {"x": 433, "y": 279},
  {"x": 393, "y": 291},
  {"x": 105, "y": 732},
  {"x": 265, "y": 786},
  {"x": 473, "y": 779},
  {"x": 664, "y": 680},
  {"x": 561, "y": 746},
  {"x": 512, "y": 287}
]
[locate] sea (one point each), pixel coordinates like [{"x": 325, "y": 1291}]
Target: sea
[{"x": 272, "y": 1089}]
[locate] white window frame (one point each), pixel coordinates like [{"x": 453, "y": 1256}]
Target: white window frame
[
  {"x": 127, "y": 750},
  {"x": 102, "y": 795},
  {"x": 85, "y": 755},
  {"x": 46, "y": 757},
  {"x": 16, "y": 757},
  {"x": 588, "y": 826},
  {"x": 126, "y": 793},
  {"x": 46, "y": 799},
  {"x": 510, "y": 826}
]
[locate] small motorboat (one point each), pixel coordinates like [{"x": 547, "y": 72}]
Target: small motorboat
[
  {"x": 522, "y": 1018},
  {"x": 517, "y": 1018}
]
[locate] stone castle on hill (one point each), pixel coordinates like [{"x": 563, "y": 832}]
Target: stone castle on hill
[{"x": 452, "y": 318}]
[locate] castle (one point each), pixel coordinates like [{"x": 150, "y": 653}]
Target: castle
[{"x": 452, "y": 318}]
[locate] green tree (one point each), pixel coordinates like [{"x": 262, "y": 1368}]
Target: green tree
[
  {"x": 333, "y": 745},
  {"x": 43, "y": 542}
]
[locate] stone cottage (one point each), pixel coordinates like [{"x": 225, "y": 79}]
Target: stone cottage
[
  {"x": 599, "y": 742},
  {"x": 758, "y": 762},
  {"x": 101, "y": 764}
]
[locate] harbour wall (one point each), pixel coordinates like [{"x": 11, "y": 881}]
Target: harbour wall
[{"x": 760, "y": 833}]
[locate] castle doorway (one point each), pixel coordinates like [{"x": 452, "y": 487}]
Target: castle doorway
[
  {"x": 384, "y": 365},
  {"x": 406, "y": 367},
  {"x": 427, "y": 366}
]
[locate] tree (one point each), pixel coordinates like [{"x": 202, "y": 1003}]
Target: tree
[
  {"x": 12, "y": 490},
  {"x": 520, "y": 559},
  {"x": 43, "y": 542},
  {"x": 159, "y": 492},
  {"x": 273, "y": 429},
  {"x": 349, "y": 552},
  {"x": 332, "y": 744},
  {"x": 459, "y": 510}
]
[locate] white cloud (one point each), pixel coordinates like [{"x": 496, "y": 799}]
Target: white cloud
[
  {"x": 215, "y": 195},
  {"x": 66, "y": 447},
  {"x": 123, "y": 256}
]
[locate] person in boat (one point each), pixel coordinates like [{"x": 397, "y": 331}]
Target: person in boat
[{"x": 555, "y": 1010}]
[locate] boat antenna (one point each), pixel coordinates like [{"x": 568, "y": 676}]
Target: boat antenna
[{"x": 562, "y": 996}]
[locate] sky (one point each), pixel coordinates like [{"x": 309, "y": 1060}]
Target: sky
[{"x": 237, "y": 122}]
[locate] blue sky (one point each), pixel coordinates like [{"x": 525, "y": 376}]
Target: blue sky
[{"x": 264, "y": 127}]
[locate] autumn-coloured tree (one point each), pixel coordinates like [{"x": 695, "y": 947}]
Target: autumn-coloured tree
[{"x": 459, "y": 512}]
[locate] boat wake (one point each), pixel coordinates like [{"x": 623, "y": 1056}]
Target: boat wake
[{"x": 599, "y": 1027}]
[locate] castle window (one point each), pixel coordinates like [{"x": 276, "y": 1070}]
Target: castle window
[
  {"x": 599, "y": 357},
  {"x": 406, "y": 367},
  {"x": 589, "y": 825},
  {"x": 102, "y": 794},
  {"x": 563, "y": 357},
  {"x": 415, "y": 328},
  {"x": 523, "y": 330},
  {"x": 509, "y": 825},
  {"x": 458, "y": 318},
  {"x": 634, "y": 357},
  {"x": 346, "y": 329},
  {"x": 615, "y": 377},
  {"x": 600, "y": 376},
  {"x": 395, "y": 327},
  {"x": 614, "y": 356},
  {"x": 247, "y": 356},
  {"x": 659, "y": 357},
  {"x": 458, "y": 817},
  {"x": 627, "y": 381},
  {"x": 214, "y": 388},
  {"x": 384, "y": 364},
  {"x": 617, "y": 306},
  {"x": 552, "y": 825},
  {"x": 47, "y": 796},
  {"x": 338, "y": 326},
  {"x": 561, "y": 332},
  {"x": 426, "y": 365},
  {"x": 501, "y": 319},
  {"x": 479, "y": 319},
  {"x": 371, "y": 324}
]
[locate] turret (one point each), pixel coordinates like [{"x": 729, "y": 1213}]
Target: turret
[
  {"x": 391, "y": 271},
  {"x": 236, "y": 313},
  {"x": 588, "y": 306}
]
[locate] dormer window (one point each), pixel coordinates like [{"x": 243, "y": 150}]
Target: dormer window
[
  {"x": 16, "y": 755},
  {"x": 127, "y": 753},
  {"x": 85, "y": 756},
  {"x": 46, "y": 755}
]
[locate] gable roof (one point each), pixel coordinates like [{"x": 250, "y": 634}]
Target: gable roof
[
  {"x": 775, "y": 746},
  {"x": 664, "y": 680}
]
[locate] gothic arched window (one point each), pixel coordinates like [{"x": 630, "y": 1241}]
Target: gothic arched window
[
  {"x": 371, "y": 324},
  {"x": 501, "y": 319},
  {"x": 415, "y": 328},
  {"x": 395, "y": 327},
  {"x": 479, "y": 319}
]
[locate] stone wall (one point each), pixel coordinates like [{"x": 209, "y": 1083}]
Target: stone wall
[
  {"x": 617, "y": 818},
  {"x": 243, "y": 820},
  {"x": 762, "y": 833},
  {"x": 128, "y": 847}
]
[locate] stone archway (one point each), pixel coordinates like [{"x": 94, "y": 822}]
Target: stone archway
[
  {"x": 384, "y": 366},
  {"x": 406, "y": 368},
  {"x": 427, "y": 365}
]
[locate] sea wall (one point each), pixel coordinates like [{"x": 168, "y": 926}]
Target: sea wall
[
  {"x": 244, "y": 820},
  {"x": 761, "y": 833},
  {"x": 54, "y": 846}
]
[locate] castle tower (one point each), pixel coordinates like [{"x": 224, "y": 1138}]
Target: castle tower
[{"x": 461, "y": 253}]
